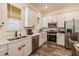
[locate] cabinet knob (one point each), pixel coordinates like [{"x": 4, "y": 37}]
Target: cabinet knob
[
  {"x": 19, "y": 48},
  {"x": 6, "y": 53},
  {"x": 23, "y": 45}
]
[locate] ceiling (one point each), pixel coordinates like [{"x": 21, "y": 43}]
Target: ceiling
[{"x": 52, "y": 6}]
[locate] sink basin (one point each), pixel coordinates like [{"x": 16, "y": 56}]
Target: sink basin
[
  {"x": 16, "y": 38},
  {"x": 11, "y": 39}
]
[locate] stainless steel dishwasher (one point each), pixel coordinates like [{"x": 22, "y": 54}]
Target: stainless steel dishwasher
[{"x": 35, "y": 42}]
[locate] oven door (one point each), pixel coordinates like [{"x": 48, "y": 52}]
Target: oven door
[{"x": 51, "y": 38}]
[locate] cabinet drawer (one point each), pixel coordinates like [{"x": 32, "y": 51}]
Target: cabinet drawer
[
  {"x": 13, "y": 51},
  {"x": 3, "y": 47},
  {"x": 4, "y": 53}
]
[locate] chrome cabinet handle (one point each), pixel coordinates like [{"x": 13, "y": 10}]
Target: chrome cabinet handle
[
  {"x": 6, "y": 53},
  {"x": 23, "y": 45},
  {"x": 19, "y": 48}
]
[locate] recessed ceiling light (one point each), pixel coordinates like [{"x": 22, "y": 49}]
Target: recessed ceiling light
[{"x": 46, "y": 7}]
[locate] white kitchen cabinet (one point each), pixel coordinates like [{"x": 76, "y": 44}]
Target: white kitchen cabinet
[
  {"x": 76, "y": 26},
  {"x": 30, "y": 17},
  {"x": 26, "y": 10},
  {"x": 3, "y": 50},
  {"x": 0, "y": 10},
  {"x": 42, "y": 38},
  {"x": 61, "y": 39},
  {"x": 15, "y": 51},
  {"x": 28, "y": 49},
  {"x": 69, "y": 24},
  {"x": 45, "y": 36},
  {"x": 21, "y": 47},
  {"x": 49, "y": 19},
  {"x": 4, "y": 53},
  {"x": 60, "y": 20},
  {"x": 15, "y": 48},
  {"x": 45, "y": 22},
  {"x": 1, "y": 13}
]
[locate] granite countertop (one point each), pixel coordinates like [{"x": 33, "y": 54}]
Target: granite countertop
[
  {"x": 3, "y": 41},
  {"x": 6, "y": 41}
]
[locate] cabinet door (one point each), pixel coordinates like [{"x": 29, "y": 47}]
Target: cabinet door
[
  {"x": 0, "y": 10},
  {"x": 69, "y": 24},
  {"x": 45, "y": 22},
  {"x": 45, "y": 37},
  {"x": 60, "y": 21},
  {"x": 25, "y": 49},
  {"x": 76, "y": 25},
  {"x": 15, "y": 48},
  {"x": 60, "y": 39},
  {"x": 40, "y": 40},
  {"x": 26, "y": 16},
  {"x": 4, "y": 53},
  {"x": 28, "y": 46},
  {"x": 0, "y": 13},
  {"x": 15, "y": 51}
]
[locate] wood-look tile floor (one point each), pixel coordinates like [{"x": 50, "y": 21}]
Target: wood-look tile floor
[{"x": 50, "y": 49}]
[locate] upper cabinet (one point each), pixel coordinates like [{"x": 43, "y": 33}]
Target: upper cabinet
[
  {"x": 31, "y": 17},
  {"x": 60, "y": 20},
  {"x": 0, "y": 11},
  {"x": 26, "y": 16},
  {"x": 13, "y": 12},
  {"x": 45, "y": 22},
  {"x": 1, "y": 14}
]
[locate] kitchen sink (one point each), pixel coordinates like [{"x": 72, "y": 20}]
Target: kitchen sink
[
  {"x": 16, "y": 38},
  {"x": 11, "y": 39}
]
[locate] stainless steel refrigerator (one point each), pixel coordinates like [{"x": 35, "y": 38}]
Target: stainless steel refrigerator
[{"x": 71, "y": 28}]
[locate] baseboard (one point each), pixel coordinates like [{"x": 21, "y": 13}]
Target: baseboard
[{"x": 60, "y": 45}]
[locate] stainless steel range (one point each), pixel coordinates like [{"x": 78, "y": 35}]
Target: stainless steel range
[{"x": 52, "y": 36}]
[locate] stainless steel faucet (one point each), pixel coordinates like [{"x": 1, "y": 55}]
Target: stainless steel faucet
[{"x": 16, "y": 33}]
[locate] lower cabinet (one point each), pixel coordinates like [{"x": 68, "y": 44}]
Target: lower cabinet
[
  {"x": 3, "y": 50},
  {"x": 61, "y": 39},
  {"x": 15, "y": 49},
  {"x": 42, "y": 38},
  {"x": 4, "y": 53},
  {"x": 20, "y": 48},
  {"x": 45, "y": 36},
  {"x": 28, "y": 48}
]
